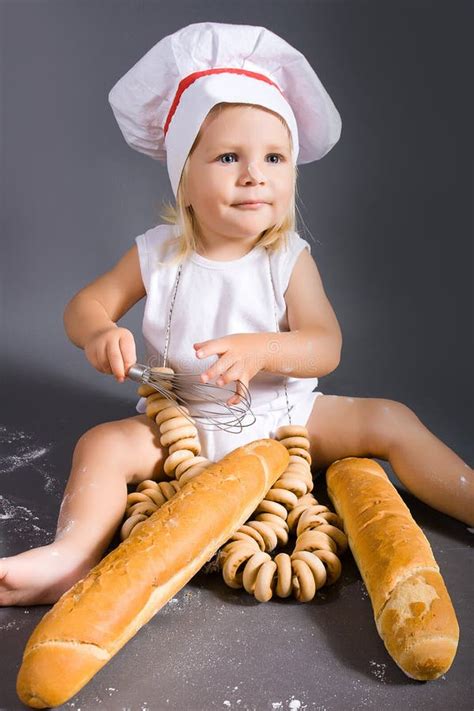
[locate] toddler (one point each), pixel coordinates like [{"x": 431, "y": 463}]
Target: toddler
[{"x": 231, "y": 109}]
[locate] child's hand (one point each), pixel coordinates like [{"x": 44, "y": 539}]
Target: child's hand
[
  {"x": 112, "y": 351},
  {"x": 242, "y": 357}
]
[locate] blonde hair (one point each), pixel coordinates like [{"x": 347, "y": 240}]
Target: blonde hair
[{"x": 186, "y": 222}]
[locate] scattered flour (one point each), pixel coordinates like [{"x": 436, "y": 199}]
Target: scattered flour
[
  {"x": 12, "y": 461},
  {"x": 294, "y": 704},
  {"x": 19, "y": 450},
  {"x": 145, "y": 706},
  {"x": 185, "y": 600},
  {"x": 21, "y": 517},
  {"x": 290, "y": 704},
  {"x": 8, "y": 510},
  {"x": 12, "y": 624},
  {"x": 378, "y": 670},
  {"x": 24, "y": 452}
]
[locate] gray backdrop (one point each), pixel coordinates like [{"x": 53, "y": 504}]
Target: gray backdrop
[
  {"x": 387, "y": 211},
  {"x": 388, "y": 215}
]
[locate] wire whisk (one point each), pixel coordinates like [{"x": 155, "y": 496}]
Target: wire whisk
[{"x": 189, "y": 390}]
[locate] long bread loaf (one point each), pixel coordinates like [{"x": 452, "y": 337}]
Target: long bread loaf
[
  {"x": 100, "y": 613},
  {"x": 412, "y": 608}
]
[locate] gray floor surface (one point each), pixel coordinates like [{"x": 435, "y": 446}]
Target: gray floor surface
[{"x": 212, "y": 647}]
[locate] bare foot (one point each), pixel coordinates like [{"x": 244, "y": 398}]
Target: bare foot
[{"x": 41, "y": 575}]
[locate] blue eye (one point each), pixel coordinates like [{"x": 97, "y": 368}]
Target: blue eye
[{"x": 225, "y": 155}]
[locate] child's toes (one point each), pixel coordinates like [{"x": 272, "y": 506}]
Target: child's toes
[{"x": 3, "y": 570}]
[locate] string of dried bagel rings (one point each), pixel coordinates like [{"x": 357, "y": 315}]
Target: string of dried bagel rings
[{"x": 288, "y": 508}]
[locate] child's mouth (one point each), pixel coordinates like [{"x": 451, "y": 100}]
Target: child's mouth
[{"x": 250, "y": 205}]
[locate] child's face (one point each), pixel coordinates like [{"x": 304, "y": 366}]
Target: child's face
[{"x": 219, "y": 175}]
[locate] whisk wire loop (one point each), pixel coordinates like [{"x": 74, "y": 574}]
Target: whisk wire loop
[{"x": 187, "y": 388}]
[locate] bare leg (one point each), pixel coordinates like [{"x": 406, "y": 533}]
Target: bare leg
[
  {"x": 385, "y": 429},
  {"x": 104, "y": 461},
  {"x": 431, "y": 470}
]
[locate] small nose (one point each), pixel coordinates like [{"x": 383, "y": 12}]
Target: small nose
[{"x": 255, "y": 173}]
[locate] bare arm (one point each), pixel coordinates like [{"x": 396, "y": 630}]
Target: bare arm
[
  {"x": 99, "y": 305},
  {"x": 312, "y": 347}
]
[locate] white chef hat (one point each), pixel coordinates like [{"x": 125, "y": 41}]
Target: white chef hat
[{"x": 161, "y": 102}]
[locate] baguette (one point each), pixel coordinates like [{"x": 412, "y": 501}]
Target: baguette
[
  {"x": 100, "y": 613},
  {"x": 412, "y": 609}
]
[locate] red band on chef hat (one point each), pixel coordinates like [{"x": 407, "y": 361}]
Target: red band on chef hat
[{"x": 191, "y": 78}]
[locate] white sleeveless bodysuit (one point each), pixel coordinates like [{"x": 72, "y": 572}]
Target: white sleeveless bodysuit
[{"x": 215, "y": 299}]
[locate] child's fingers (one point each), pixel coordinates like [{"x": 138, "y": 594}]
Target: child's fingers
[
  {"x": 103, "y": 360},
  {"x": 93, "y": 357},
  {"x": 235, "y": 399},
  {"x": 128, "y": 350},
  {"x": 115, "y": 359}
]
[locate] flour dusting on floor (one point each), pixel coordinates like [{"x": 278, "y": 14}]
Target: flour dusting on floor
[
  {"x": 20, "y": 450},
  {"x": 21, "y": 519},
  {"x": 378, "y": 670}
]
